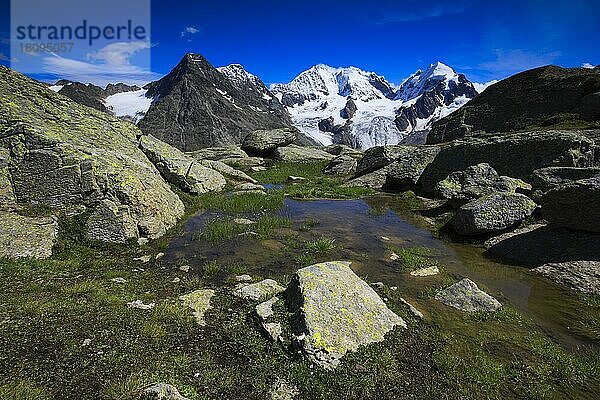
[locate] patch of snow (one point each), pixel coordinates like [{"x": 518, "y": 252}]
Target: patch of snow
[
  {"x": 56, "y": 88},
  {"x": 480, "y": 87},
  {"x": 129, "y": 104}
]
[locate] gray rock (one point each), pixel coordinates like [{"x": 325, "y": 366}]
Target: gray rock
[
  {"x": 218, "y": 153},
  {"x": 476, "y": 181},
  {"x": 574, "y": 205},
  {"x": 583, "y": 276},
  {"x": 259, "y": 290},
  {"x": 265, "y": 309},
  {"x": 493, "y": 213},
  {"x": 243, "y": 278},
  {"x": 273, "y": 330},
  {"x": 410, "y": 163},
  {"x": 299, "y": 154},
  {"x": 243, "y": 221},
  {"x": 412, "y": 309},
  {"x": 26, "y": 237},
  {"x": 180, "y": 169},
  {"x": 282, "y": 390},
  {"x": 336, "y": 312},
  {"x": 247, "y": 186},
  {"x": 71, "y": 157},
  {"x": 378, "y": 157},
  {"x": 466, "y": 296},
  {"x": 548, "y": 178},
  {"x": 199, "y": 301},
  {"x": 227, "y": 171},
  {"x": 263, "y": 142},
  {"x": 343, "y": 150},
  {"x": 161, "y": 391},
  {"x": 341, "y": 165},
  {"x": 516, "y": 155},
  {"x": 349, "y": 109},
  {"x": 375, "y": 180}
]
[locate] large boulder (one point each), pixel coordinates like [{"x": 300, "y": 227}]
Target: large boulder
[
  {"x": 73, "y": 158},
  {"x": 341, "y": 165},
  {"x": 377, "y": 157},
  {"x": 218, "y": 153},
  {"x": 343, "y": 150},
  {"x": 545, "y": 179},
  {"x": 264, "y": 142},
  {"x": 375, "y": 180},
  {"x": 410, "y": 163},
  {"x": 299, "y": 154},
  {"x": 574, "y": 205},
  {"x": 466, "y": 296},
  {"x": 492, "y": 213},
  {"x": 26, "y": 237},
  {"x": 228, "y": 171},
  {"x": 336, "y": 312},
  {"x": 516, "y": 155},
  {"x": 582, "y": 276},
  {"x": 179, "y": 168},
  {"x": 477, "y": 181}
]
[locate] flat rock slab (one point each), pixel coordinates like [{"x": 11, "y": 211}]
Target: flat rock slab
[
  {"x": 583, "y": 276},
  {"x": 161, "y": 391},
  {"x": 428, "y": 271},
  {"x": 26, "y": 237},
  {"x": 336, "y": 312},
  {"x": 265, "y": 310},
  {"x": 466, "y": 296},
  {"x": 199, "y": 301},
  {"x": 258, "y": 290}
]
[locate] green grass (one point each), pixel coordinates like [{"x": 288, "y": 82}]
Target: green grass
[
  {"x": 250, "y": 202},
  {"x": 217, "y": 230},
  {"x": 316, "y": 185},
  {"x": 412, "y": 258},
  {"x": 266, "y": 224},
  {"x": 308, "y": 225},
  {"x": 211, "y": 269},
  {"x": 321, "y": 246}
]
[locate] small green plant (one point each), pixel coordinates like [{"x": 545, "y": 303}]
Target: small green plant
[
  {"x": 305, "y": 259},
  {"x": 320, "y": 246},
  {"x": 211, "y": 269},
  {"x": 217, "y": 230},
  {"x": 412, "y": 258},
  {"x": 308, "y": 225},
  {"x": 267, "y": 223}
]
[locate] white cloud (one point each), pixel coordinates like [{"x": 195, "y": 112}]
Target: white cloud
[
  {"x": 111, "y": 64},
  {"x": 188, "y": 32},
  {"x": 480, "y": 87},
  {"x": 587, "y": 65}
]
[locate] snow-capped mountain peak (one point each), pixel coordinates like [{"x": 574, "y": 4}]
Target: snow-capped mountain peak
[{"x": 352, "y": 106}]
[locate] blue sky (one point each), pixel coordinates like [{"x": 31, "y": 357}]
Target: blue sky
[{"x": 278, "y": 39}]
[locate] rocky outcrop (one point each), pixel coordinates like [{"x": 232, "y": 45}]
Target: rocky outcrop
[
  {"x": 375, "y": 180},
  {"x": 76, "y": 159},
  {"x": 378, "y": 157},
  {"x": 85, "y": 94},
  {"x": 492, "y": 213},
  {"x": 466, "y": 296},
  {"x": 336, "y": 312},
  {"x": 180, "y": 169},
  {"x": 343, "y": 150},
  {"x": 199, "y": 106},
  {"x": 516, "y": 155},
  {"x": 410, "y": 163},
  {"x": 227, "y": 171},
  {"x": 299, "y": 154},
  {"x": 349, "y": 109},
  {"x": 574, "y": 205},
  {"x": 218, "y": 153},
  {"x": 26, "y": 237},
  {"x": 544, "y": 179},
  {"x": 582, "y": 276},
  {"x": 474, "y": 182},
  {"x": 264, "y": 142},
  {"x": 326, "y": 125},
  {"x": 341, "y": 165},
  {"x": 541, "y": 96}
]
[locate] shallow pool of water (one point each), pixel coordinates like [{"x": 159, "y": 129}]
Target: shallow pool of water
[{"x": 364, "y": 231}]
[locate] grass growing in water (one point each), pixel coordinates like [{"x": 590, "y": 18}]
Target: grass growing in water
[
  {"x": 412, "y": 258},
  {"x": 321, "y": 246},
  {"x": 267, "y": 223}
]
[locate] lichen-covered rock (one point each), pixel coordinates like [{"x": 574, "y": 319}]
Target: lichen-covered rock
[
  {"x": 8, "y": 201},
  {"x": 71, "y": 157},
  {"x": 466, "y": 296},
  {"x": 377, "y": 157},
  {"x": 574, "y": 205},
  {"x": 179, "y": 168},
  {"x": 583, "y": 276},
  {"x": 548, "y": 178},
  {"x": 300, "y": 154},
  {"x": 199, "y": 301},
  {"x": 341, "y": 165},
  {"x": 516, "y": 155},
  {"x": 228, "y": 171},
  {"x": 282, "y": 390},
  {"x": 336, "y": 312},
  {"x": 273, "y": 330},
  {"x": 245, "y": 162},
  {"x": 375, "y": 180},
  {"x": 409, "y": 164},
  {"x": 218, "y": 153},
  {"x": 493, "y": 213},
  {"x": 263, "y": 142},
  {"x": 476, "y": 181},
  {"x": 265, "y": 309},
  {"x": 26, "y": 237},
  {"x": 161, "y": 391},
  {"x": 343, "y": 150},
  {"x": 258, "y": 290}
]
